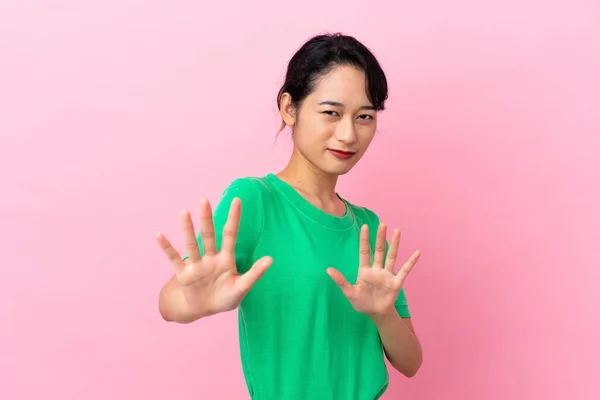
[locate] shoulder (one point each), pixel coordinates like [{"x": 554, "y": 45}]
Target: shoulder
[
  {"x": 364, "y": 214},
  {"x": 248, "y": 188}
]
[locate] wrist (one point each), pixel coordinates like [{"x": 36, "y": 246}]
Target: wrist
[{"x": 383, "y": 317}]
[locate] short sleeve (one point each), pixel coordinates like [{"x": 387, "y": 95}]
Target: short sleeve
[
  {"x": 251, "y": 220},
  {"x": 401, "y": 303}
]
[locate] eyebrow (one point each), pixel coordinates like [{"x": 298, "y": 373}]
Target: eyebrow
[{"x": 338, "y": 104}]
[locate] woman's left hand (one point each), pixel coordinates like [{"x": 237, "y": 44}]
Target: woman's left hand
[{"x": 377, "y": 287}]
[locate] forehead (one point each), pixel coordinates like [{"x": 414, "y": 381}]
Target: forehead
[{"x": 344, "y": 84}]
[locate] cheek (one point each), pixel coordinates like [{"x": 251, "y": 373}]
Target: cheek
[
  {"x": 320, "y": 125},
  {"x": 311, "y": 131},
  {"x": 366, "y": 135}
]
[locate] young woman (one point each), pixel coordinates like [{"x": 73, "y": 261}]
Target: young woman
[{"x": 315, "y": 284}]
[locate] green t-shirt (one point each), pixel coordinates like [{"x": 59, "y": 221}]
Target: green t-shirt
[{"x": 299, "y": 336}]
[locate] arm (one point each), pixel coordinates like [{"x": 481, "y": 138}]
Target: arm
[
  {"x": 379, "y": 293},
  {"x": 217, "y": 270},
  {"x": 400, "y": 342},
  {"x": 401, "y": 345},
  {"x": 173, "y": 306}
]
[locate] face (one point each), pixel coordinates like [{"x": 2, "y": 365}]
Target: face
[{"x": 335, "y": 123}]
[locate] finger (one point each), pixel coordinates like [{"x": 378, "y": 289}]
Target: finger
[
  {"x": 364, "y": 248},
  {"x": 230, "y": 230},
  {"x": 408, "y": 266},
  {"x": 172, "y": 254},
  {"x": 339, "y": 279},
  {"x": 390, "y": 261},
  {"x": 379, "y": 255},
  {"x": 207, "y": 228},
  {"x": 189, "y": 236},
  {"x": 247, "y": 280}
]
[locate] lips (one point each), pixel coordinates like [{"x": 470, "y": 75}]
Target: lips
[{"x": 343, "y": 154}]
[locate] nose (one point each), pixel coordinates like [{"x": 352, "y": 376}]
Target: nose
[{"x": 345, "y": 132}]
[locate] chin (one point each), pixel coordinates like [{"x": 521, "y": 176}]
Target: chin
[
  {"x": 335, "y": 167},
  {"x": 336, "y": 170}
]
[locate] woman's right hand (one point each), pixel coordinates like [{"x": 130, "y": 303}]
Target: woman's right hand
[{"x": 210, "y": 283}]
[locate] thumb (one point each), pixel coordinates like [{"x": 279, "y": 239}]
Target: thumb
[
  {"x": 339, "y": 279},
  {"x": 248, "y": 279}
]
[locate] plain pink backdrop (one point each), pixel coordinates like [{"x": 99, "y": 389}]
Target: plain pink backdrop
[{"x": 114, "y": 115}]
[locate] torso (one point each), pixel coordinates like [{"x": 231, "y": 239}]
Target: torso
[{"x": 300, "y": 338}]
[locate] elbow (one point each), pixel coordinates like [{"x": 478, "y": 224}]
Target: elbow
[
  {"x": 411, "y": 369},
  {"x": 410, "y": 373}
]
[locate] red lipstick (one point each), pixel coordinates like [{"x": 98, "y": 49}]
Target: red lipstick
[{"x": 341, "y": 153}]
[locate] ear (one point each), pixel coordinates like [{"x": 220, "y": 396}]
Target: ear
[{"x": 287, "y": 110}]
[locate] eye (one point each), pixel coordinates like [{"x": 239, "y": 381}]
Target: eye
[
  {"x": 365, "y": 116},
  {"x": 331, "y": 112}
]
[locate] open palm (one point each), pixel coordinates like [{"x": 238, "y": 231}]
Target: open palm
[
  {"x": 210, "y": 283},
  {"x": 377, "y": 286}
]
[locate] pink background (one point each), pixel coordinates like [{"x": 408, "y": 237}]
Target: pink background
[{"x": 114, "y": 115}]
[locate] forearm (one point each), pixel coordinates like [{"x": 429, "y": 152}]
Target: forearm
[
  {"x": 173, "y": 306},
  {"x": 401, "y": 345}
]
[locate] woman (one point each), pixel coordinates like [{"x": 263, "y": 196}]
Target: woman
[{"x": 286, "y": 261}]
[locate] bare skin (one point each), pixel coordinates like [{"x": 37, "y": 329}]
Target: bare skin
[
  {"x": 208, "y": 284},
  {"x": 336, "y": 116}
]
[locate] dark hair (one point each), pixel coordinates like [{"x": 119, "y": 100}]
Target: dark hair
[{"x": 323, "y": 52}]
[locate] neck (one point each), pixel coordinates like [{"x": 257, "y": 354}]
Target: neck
[{"x": 306, "y": 177}]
